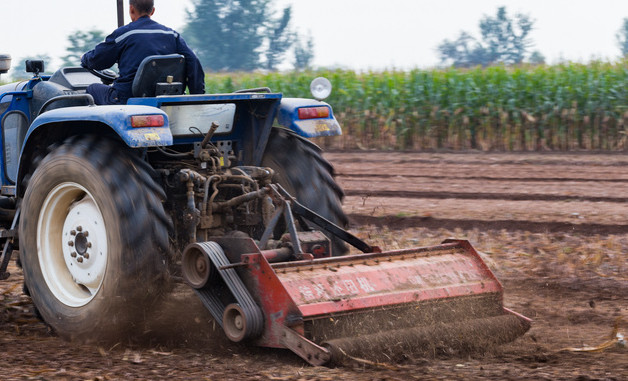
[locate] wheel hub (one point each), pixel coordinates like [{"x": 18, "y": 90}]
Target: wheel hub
[
  {"x": 83, "y": 259},
  {"x": 81, "y": 243},
  {"x": 72, "y": 244}
]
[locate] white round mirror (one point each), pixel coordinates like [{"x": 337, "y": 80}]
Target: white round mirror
[{"x": 320, "y": 88}]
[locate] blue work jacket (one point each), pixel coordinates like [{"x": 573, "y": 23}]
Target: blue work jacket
[{"x": 131, "y": 43}]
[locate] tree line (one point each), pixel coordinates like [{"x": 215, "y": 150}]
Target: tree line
[
  {"x": 226, "y": 35},
  {"x": 504, "y": 40},
  {"x": 248, "y": 35}
]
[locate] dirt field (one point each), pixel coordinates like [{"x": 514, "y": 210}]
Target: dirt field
[{"x": 552, "y": 227}]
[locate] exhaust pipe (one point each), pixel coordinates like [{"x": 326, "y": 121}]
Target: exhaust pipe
[{"x": 120, "y": 13}]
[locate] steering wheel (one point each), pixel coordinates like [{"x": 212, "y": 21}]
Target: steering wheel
[{"x": 107, "y": 76}]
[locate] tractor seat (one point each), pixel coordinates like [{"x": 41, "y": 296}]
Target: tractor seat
[{"x": 160, "y": 75}]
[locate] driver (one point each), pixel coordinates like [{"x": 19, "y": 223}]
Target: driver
[{"x": 129, "y": 45}]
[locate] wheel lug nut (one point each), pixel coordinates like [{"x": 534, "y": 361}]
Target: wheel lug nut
[
  {"x": 73, "y": 232},
  {"x": 70, "y": 243},
  {"x": 86, "y": 233},
  {"x": 86, "y": 255},
  {"x": 73, "y": 255},
  {"x": 80, "y": 259},
  {"x": 79, "y": 228}
]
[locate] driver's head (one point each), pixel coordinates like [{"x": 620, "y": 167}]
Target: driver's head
[{"x": 139, "y": 8}]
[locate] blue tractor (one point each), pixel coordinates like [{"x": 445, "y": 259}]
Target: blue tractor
[{"x": 104, "y": 199}]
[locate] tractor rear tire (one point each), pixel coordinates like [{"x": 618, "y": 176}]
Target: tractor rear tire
[
  {"x": 93, "y": 236},
  {"x": 301, "y": 169}
]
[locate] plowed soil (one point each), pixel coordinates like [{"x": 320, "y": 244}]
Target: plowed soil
[{"x": 552, "y": 227}]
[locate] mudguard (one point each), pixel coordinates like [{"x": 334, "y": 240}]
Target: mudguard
[
  {"x": 118, "y": 118},
  {"x": 288, "y": 116}
]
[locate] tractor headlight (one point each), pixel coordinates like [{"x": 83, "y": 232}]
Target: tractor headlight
[{"x": 320, "y": 88}]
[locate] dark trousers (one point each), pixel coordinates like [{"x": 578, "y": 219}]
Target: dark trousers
[{"x": 103, "y": 94}]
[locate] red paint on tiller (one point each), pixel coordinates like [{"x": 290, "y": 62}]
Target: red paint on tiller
[
  {"x": 400, "y": 279},
  {"x": 290, "y": 293}
]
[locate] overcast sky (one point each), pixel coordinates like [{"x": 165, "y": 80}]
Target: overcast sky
[{"x": 358, "y": 34}]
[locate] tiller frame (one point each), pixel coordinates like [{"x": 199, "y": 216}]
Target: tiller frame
[{"x": 293, "y": 296}]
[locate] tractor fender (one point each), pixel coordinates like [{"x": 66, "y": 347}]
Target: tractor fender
[
  {"x": 288, "y": 117},
  {"x": 117, "y": 118},
  {"x": 55, "y": 125}
]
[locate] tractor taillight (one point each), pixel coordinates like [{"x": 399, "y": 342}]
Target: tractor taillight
[
  {"x": 147, "y": 121},
  {"x": 314, "y": 112}
]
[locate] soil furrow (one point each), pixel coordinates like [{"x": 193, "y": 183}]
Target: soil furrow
[
  {"x": 480, "y": 196},
  {"x": 368, "y": 176},
  {"x": 620, "y": 163},
  {"x": 399, "y": 223}
]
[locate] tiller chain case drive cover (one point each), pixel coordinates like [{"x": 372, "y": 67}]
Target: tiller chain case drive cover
[{"x": 376, "y": 305}]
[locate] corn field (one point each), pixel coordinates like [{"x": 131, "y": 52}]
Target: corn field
[{"x": 526, "y": 108}]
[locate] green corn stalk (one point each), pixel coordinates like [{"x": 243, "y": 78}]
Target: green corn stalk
[{"x": 562, "y": 107}]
